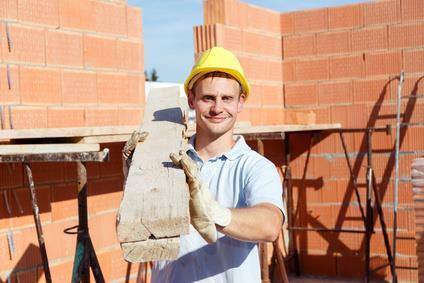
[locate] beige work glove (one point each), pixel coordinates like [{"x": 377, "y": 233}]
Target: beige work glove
[
  {"x": 128, "y": 150},
  {"x": 205, "y": 211}
]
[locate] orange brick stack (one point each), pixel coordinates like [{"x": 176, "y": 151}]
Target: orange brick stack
[
  {"x": 417, "y": 174},
  {"x": 67, "y": 63},
  {"x": 342, "y": 64}
]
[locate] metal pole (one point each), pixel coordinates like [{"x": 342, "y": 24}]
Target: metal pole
[
  {"x": 369, "y": 208},
  {"x": 396, "y": 181},
  {"x": 37, "y": 221}
]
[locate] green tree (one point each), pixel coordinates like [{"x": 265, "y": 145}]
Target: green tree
[{"x": 154, "y": 75}]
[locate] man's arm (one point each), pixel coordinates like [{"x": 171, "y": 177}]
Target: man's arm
[{"x": 259, "y": 223}]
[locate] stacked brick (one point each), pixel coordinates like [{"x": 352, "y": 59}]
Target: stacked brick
[
  {"x": 418, "y": 189},
  {"x": 66, "y": 63},
  {"x": 342, "y": 64}
]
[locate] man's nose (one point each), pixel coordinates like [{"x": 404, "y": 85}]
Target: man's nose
[{"x": 217, "y": 106}]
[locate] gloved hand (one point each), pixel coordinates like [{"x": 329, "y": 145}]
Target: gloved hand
[
  {"x": 128, "y": 150},
  {"x": 205, "y": 211}
]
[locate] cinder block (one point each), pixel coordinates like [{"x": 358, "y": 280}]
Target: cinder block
[
  {"x": 316, "y": 69},
  {"x": 334, "y": 42},
  {"x": 100, "y": 52},
  {"x": 79, "y": 87},
  {"x": 40, "y": 85},
  {"x": 130, "y": 55},
  {"x": 407, "y": 35},
  {"x": 313, "y": 20},
  {"x": 383, "y": 63},
  {"x": 44, "y": 12},
  {"x": 375, "y": 90},
  {"x": 413, "y": 61},
  {"x": 9, "y": 89},
  {"x": 382, "y": 12},
  {"x": 335, "y": 93},
  {"x": 9, "y": 9},
  {"x": 134, "y": 23},
  {"x": 64, "y": 48},
  {"x": 350, "y": 16},
  {"x": 299, "y": 45},
  {"x": 370, "y": 39},
  {"x": 346, "y": 67},
  {"x": 300, "y": 94},
  {"x": 287, "y": 23},
  {"x": 130, "y": 116},
  {"x": 27, "y": 45},
  {"x": 112, "y": 88},
  {"x": 28, "y": 117},
  {"x": 77, "y": 14},
  {"x": 110, "y": 18},
  {"x": 63, "y": 117},
  {"x": 101, "y": 116},
  {"x": 412, "y": 10}
]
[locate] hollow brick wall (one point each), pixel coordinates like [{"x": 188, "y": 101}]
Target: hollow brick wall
[
  {"x": 71, "y": 63},
  {"x": 342, "y": 64}
]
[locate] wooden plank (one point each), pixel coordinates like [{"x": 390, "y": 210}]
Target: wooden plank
[
  {"x": 46, "y": 148},
  {"x": 105, "y": 138},
  {"x": 155, "y": 201},
  {"x": 64, "y": 132}
]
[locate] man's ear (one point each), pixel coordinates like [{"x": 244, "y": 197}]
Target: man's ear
[
  {"x": 242, "y": 99},
  {"x": 190, "y": 99}
]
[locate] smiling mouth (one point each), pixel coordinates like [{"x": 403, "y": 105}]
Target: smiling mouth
[{"x": 216, "y": 119}]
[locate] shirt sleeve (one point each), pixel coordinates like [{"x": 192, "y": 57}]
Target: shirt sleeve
[{"x": 264, "y": 185}]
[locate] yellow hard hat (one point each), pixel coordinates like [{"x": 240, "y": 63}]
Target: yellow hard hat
[{"x": 217, "y": 59}]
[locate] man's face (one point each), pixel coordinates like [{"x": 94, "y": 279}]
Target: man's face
[{"x": 217, "y": 101}]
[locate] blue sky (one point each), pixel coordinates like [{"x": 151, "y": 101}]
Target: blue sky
[{"x": 168, "y": 30}]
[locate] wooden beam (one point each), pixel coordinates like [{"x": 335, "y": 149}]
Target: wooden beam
[
  {"x": 47, "y": 148},
  {"x": 154, "y": 208}
]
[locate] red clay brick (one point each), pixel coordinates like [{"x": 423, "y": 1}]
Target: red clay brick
[
  {"x": 345, "y": 17},
  {"x": 312, "y": 70},
  {"x": 79, "y": 87},
  {"x": 318, "y": 264},
  {"x": 112, "y": 88},
  {"x": 11, "y": 175},
  {"x": 369, "y": 39},
  {"x": 232, "y": 39},
  {"x": 130, "y": 116},
  {"x": 412, "y": 10},
  {"x": 376, "y": 90},
  {"x": 40, "y": 86},
  {"x": 347, "y": 67},
  {"x": 409, "y": 35},
  {"x": 45, "y": 12},
  {"x": 26, "y": 117},
  {"x": 130, "y": 55},
  {"x": 134, "y": 23},
  {"x": 262, "y": 69},
  {"x": 304, "y": 94},
  {"x": 299, "y": 45},
  {"x": 65, "y": 117},
  {"x": 60, "y": 271},
  {"x": 383, "y": 63},
  {"x": 101, "y": 116},
  {"x": 9, "y": 96},
  {"x": 262, "y": 44},
  {"x": 267, "y": 94},
  {"x": 334, "y": 42},
  {"x": 313, "y": 20},
  {"x": 64, "y": 201},
  {"x": 105, "y": 194},
  {"x": 413, "y": 61},
  {"x": 381, "y": 12},
  {"x": 335, "y": 93},
  {"x": 263, "y": 19},
  {"x": 110, "y": 18},
  {"x": 103, "y": 230},
  {"x": 100, "y": 52},
  {"x": 64, "y": 48},
  {"x": 77, "y": 14},
  {"x": 27, "y": 276},
  {"x": 288, "y": 69},
  {"x": 28, "y": 45},
  {"x": 9, "y": 9},
  {"x": 287, "y": 23}
]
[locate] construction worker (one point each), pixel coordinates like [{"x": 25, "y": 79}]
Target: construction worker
[{"x": 235, "y": 193}]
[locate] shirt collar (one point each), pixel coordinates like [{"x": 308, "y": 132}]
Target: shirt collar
[{"x": 239, "y": 148}]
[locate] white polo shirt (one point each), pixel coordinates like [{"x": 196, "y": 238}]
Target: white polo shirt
[{"x": 238, "y": 178}]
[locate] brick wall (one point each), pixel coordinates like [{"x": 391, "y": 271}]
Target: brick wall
[
  {"x": 341, "y": 64},
  {"x": 68, "y": 63}
]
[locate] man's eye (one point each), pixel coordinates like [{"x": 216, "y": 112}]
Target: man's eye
[{"x": 227, "y": 98}]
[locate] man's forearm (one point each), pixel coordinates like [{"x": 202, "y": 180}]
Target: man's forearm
[{"x": 260, "y": 223}]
